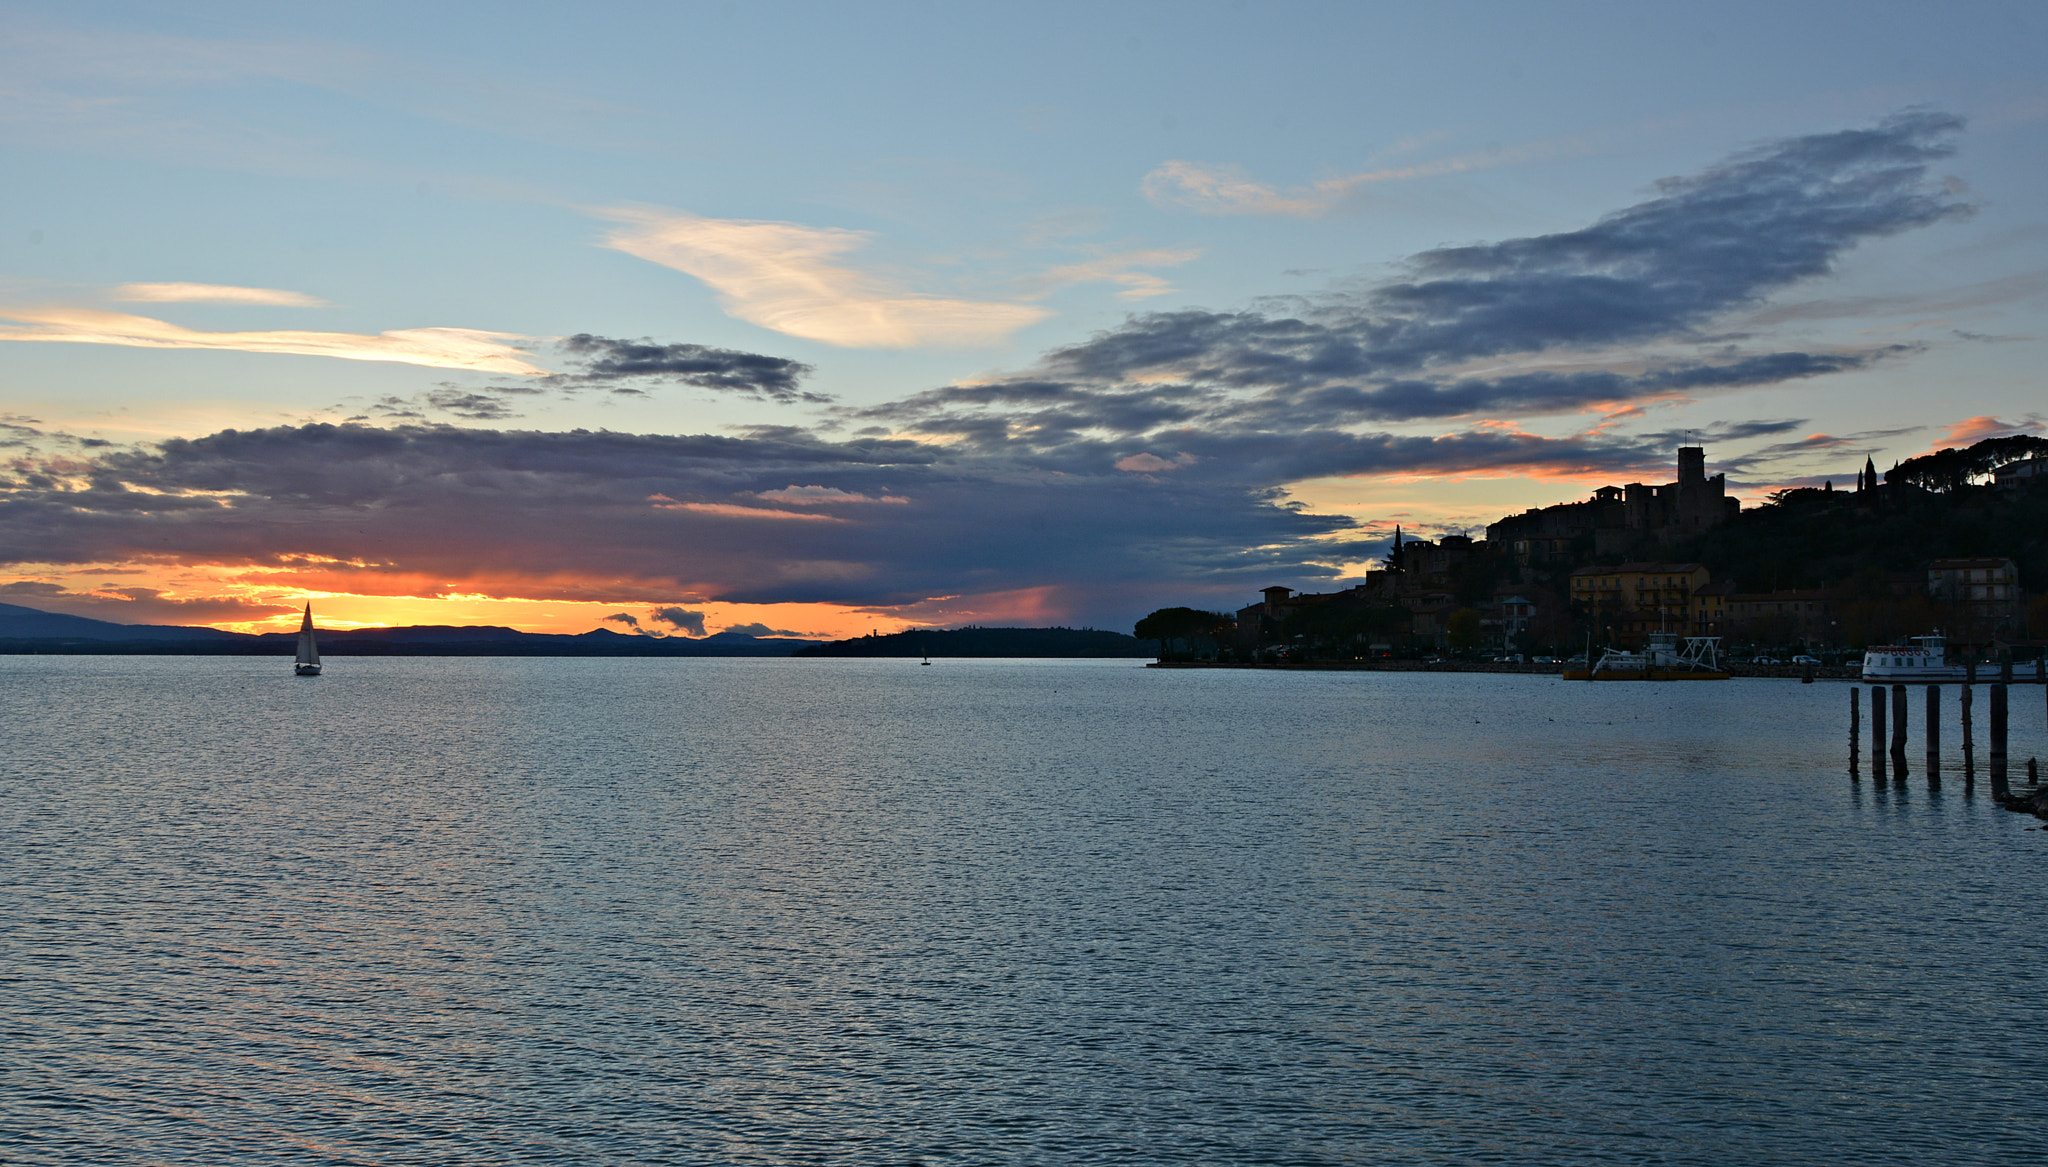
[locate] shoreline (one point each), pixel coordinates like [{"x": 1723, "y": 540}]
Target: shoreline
[{"x": 1784, "y": 672}]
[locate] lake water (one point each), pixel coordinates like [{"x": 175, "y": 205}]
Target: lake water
[{"x": 867, "y": 912}]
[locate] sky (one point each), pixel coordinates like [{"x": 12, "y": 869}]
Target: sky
[{"x": 676, "y": 319}]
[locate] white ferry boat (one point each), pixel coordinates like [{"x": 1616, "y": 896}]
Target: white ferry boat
[
  {"x": 1661, "y": 660},
  {"x": 1925, "y": 659}
]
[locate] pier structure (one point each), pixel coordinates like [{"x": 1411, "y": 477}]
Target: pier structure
[{"x": 1890, "y": 729}]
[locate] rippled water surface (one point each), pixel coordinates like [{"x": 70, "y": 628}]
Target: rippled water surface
[{"x": 697, "y": 911}]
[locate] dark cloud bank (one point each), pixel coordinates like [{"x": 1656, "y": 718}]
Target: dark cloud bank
[{"x": 1214, "y": 410}]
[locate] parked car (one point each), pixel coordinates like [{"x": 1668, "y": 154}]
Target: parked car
[{"x": 1805, "y": 660}]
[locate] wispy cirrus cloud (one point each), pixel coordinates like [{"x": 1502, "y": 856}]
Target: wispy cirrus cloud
[
  {"x": 437, "y": 348},
  {"x": 793, "y": 279},
  {"x": 212, "y": 294},
  {"x": 1124, "y": 267},
  {"x": 732, "y": 510},
  {"x": 824, "y": 496},
  {"x": 1227, "y": 189}
]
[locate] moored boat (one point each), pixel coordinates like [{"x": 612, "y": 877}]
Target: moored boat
[
  {"x": 1662, "y": 659},
  {"x": 1925, "y": 658}
]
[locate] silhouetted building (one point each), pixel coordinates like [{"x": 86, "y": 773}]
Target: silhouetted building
[
  {"x": 1617, "y": 517},
  {"x": 1505, "y": 622},
  {"x": 1983, "y": 594},
  {"x": 2022, "y": 472},
  {"x": 1782, "y": 618},
  {"x": 1423, "y": 564}
]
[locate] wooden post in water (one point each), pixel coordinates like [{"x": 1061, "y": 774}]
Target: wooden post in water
[
  {"x": 1899, "y": 730},
  {"x": 1969, "y": 742},
  {"x": 1877, "y": 732},
  {"x": 1855, "y": 727},
  {"x": 1998, "y": 784},
  {"x": 1933, "y": 734}
]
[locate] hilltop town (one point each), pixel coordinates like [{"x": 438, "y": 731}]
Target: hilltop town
[{"x": 1953, "y": 540}]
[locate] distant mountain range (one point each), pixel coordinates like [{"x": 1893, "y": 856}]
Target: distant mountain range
[
  {"x": 971, "y": 641},
  {"x": 30, "y": 630}
]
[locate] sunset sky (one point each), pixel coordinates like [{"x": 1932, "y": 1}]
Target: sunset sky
[{"x": 817, "y": 319}]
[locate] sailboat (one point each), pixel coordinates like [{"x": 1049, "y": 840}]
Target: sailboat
[{"x": 307, "y": 664}]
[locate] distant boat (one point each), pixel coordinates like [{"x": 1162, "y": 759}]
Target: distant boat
[
  {"x": 1661, "y": 660},
  {"x": 1925, "y": 659},
  {"x": 307, "y": 664}
]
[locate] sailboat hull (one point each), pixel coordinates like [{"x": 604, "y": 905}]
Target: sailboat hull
[{"x": 305, "y": 670}]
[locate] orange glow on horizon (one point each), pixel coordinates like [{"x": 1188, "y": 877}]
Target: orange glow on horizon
[
  {"x": 341, "y": 610},
  {"x": 235, "y": 599}
]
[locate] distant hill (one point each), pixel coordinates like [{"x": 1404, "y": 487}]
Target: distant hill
[
  {"x": 1812, "y": 539},
  {"x": 30, "y": 630},
  {"x": 964, "y": 642},
  {"x": 17, "y": 622},
  {"x": 483, "y": 640}
]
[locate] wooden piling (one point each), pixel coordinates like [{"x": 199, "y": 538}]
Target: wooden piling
[
  {"x": 1855, "y": 721},
  {"x": 1969, "y": 741},
  {"x": 1877, "y": 731},
  {"x": 1899, "y": 720},
  {"x": 1933, "y": 734},
  {"x": 1899, "y": 732},
  {"x": 1998, "y": 783}
]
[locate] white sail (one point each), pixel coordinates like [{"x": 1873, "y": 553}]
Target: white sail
[{"x": 309, "y": 649}]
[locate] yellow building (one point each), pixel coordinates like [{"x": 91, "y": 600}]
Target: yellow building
[
  {"x": 1711, "y": 609},
  {"x": 1632, "y": 600}
]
